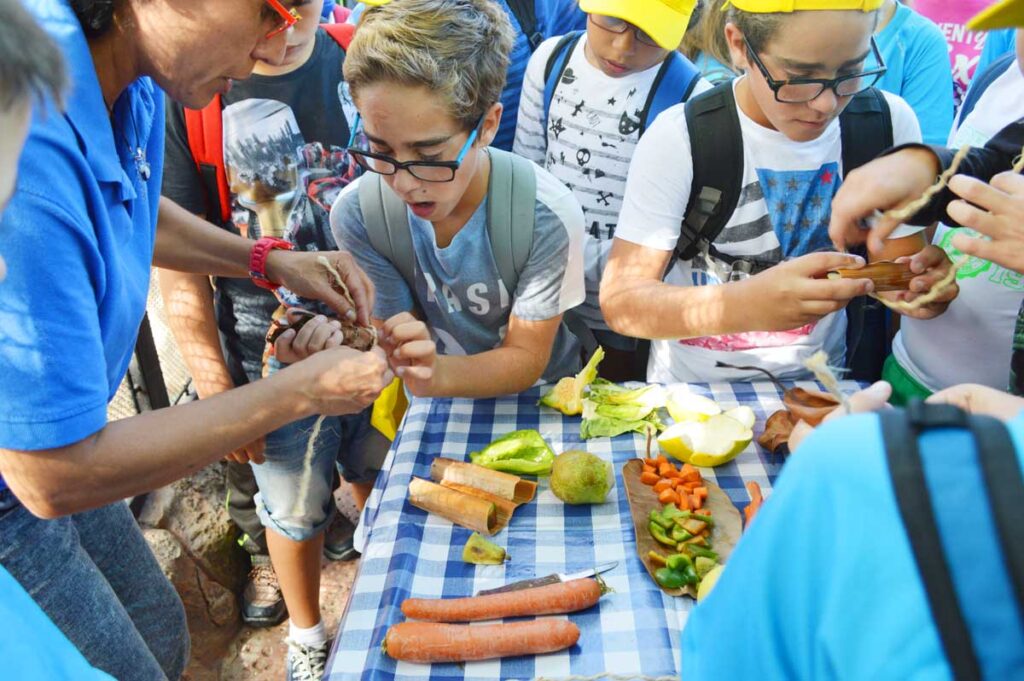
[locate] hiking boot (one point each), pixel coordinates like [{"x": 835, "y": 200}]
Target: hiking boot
[
  {"x": 262, "y": 602},
  {"x": 338, "y": 539},
  {"x": 306, "y": 663}
]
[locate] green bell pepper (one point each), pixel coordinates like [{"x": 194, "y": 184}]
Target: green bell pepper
[
  {"x": 669, "y": 578},
  {"x": 658, "y": 532},
  {"x": 520, "y": 452},
  {"x": 656, "y": 517}
]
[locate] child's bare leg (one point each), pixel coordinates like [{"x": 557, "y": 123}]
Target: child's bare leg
[
  {"x": 297, "y": 565},
  {"x": 361, "y": 492}
]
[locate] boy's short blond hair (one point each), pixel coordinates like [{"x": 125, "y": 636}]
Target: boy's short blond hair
[{"x": 458, "y": 49}]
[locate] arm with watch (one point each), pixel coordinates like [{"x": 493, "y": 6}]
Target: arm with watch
[{"x": 141, "y": 453}]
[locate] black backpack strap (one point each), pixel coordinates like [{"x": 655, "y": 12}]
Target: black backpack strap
[
  {"x": 716, "y": 147},
  {"x": 525, "y": 12},
  {"x": 1005, "y": 485},
  {"x": 900, "y": 432},
  {"x": 865, "y": 128}
]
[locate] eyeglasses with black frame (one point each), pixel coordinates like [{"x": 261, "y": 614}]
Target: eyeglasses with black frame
[
  {"x": 616, "y": 25},
  {"x": 427, "y": 171},
  {"x": 800, "y": 90},
  {"x": 282, "y": 17}
]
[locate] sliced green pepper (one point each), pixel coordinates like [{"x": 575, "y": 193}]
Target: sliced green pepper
[
  {"x": 669, "y": 578},
  {"x": 705, "y": 518},
  {"x": 659, "y": 535},
  {"x": 656, "y": 517},
  {"x": 679, "y": 534},
  {"x": 671, "y": 512},
  {"x": 696, "y": 550},
  {"x": 522, "y": 451}
]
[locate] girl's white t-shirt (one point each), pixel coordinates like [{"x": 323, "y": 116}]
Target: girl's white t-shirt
[
  {"x": 783, "y": 212},
  {"x": 973, "y": 340}
]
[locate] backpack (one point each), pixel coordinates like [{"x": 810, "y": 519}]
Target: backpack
[
  {"x": 204, "y": 129},
  {"x": 511, "y": 214},
  {"x": 716, "y": 144},
  {"x": 969, "y": 549},
  {"x": 980, "y": 83},
  {"x": 674, "y": 82},
  {"x": 525, "y": 12}
]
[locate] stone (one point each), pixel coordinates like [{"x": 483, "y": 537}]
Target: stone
[
  {"x": 211, "y": 609},
  {"x": 193, "y": 510}
]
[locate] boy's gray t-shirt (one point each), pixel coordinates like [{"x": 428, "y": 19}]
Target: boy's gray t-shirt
[{"x": 458, "y": 288}]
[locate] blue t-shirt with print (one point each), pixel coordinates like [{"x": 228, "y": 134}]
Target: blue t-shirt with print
[
  {"x": 458, "y": 288},
  {"x": 917, "y": 62},
  {"x": 78, "y": 237},
  {"x": 824, "y": 584}
]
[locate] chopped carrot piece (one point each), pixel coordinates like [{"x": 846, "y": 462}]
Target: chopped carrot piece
[
  {"x": 690, "y": 485},
  {"x": 649, "y": 478},
  {"x": 697, "y": 502},
  {"x": 650, "y": 463},
  {"x": 660, "y": 459},
  {"x": 701, "y": 492},
  {"x": 690, "y": 473},
  {"x": 662, "y": 485},
  {"x": 668, "y": 496},
  {"x": 650, "y": 469},
  {"x": 684, "y": 502},
  {"x": 676, "y": 482}
]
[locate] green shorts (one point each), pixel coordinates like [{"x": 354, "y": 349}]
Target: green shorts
[{"x": 904, "y": 386}]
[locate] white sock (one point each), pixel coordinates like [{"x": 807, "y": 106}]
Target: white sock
[{"x": 312, "y": 636}]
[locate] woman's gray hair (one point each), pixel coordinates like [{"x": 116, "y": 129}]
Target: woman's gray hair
[
  {"x": 458, "y": 49},
  {"x": 31, "y": 65}
]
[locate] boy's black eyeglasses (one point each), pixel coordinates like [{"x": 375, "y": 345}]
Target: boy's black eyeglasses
[
  {"x": 428, "y": 171},
  {"x": 799, "y": 90},
  {"x": 616, "y": 25}
]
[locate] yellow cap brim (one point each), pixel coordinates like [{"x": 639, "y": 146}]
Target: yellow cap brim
[
  {"x": 1005, "y": 14},
  {"x": 787, "y": 6},
  {"x": 656, "y": 19},
  {"x": 375, "y": 3}
]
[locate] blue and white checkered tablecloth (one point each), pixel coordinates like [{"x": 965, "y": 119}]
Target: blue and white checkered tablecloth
[{"x": 408, "y": 553}]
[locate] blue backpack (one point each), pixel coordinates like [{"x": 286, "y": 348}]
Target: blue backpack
[
  {"x": 962, "y": 505},
  {"x": 673, "y": 83}
]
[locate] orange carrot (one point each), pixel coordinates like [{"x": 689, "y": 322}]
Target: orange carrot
[
  {"x": 690, "y": 474},
  {"x": 696, "y": 502},
  {"x": 662, "y": 485},
  {"x": 690, "y": 486},
  {"x": 668, "y": 496},
  {"x": 754, "y": 490},
  {"x": 651, "y": 463},
  {"x": 649, "y": 478},
  {"x": 429, "y": 642},
  {"x": 701, "y": 492},
  {"x": 664, "y": 468},
  {"x": 660, "y": 459},
  {"x": 552, "y": 599},
  {"x": 676, "y": 483},
  {"x": 684, "y": 502}
]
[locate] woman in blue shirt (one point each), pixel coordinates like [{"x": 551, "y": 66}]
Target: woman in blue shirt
[{"x": 80, "y": 235}]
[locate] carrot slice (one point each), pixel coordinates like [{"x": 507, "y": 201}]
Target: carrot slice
[
  {"x": 429, "y": 642},
  {"x": 690, "y": 474},
  {"x": 697, "y": 502},
  {"x": 650, "y": 463},
  {"x": 661, "y": 459},
  {"x": 668, "y": 496},
  {"x": 662, "y": 485},
  {"x": 684, "y": 502},
  {"x": 649, "y": 478},
  {"x": 701, "y": 492},
  {"x": 691, "y": 485},
  {"x": 754, "y": 490}
]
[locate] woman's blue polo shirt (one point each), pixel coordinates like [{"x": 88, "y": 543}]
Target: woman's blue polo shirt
[{"x": 78, "y": 238}]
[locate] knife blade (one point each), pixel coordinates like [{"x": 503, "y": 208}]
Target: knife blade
[{"x": 550, "y": 579}]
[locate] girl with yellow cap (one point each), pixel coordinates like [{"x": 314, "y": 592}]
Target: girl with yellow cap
[{"x": 755, "y": 293}]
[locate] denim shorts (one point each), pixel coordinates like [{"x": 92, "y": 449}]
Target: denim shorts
[{"x": 349, "y": 443}]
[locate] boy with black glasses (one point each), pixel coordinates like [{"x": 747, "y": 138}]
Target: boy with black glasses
[{"x": 484, "y": 246}]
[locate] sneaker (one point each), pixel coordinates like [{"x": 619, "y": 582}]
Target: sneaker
[
  {"x": 306, "y": 663},
  {"x": 338, "y": 540},
  {"x": 262, "y": 602}
]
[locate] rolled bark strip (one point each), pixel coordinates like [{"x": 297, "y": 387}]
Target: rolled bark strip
[
  {"x": 553, "y": 599},
  {"x": 428, "y": 642},
  {"x": 462, "y": 509},
  {"x": 498, "y": 483},
  {"x": 811, "y": 406},
  {"x": 887, "y": 275}
]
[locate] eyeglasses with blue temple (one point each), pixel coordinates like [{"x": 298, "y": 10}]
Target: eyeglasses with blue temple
[{"x": 427, "y": 171}]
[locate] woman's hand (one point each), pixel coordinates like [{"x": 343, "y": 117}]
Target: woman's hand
[
  {"x": 795, "y": 293},
  {"x": 315, "y": 335},
  {"x": 997, "y": 213},
  {"x": 302, "y": 274},
  {"x": 980, "y": 399},
  {"x": 341, "y": 380},
  {"x": 411, "y": 351}
]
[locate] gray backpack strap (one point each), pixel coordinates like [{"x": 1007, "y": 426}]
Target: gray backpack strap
[
  {"x": 511, "y": 214},
  {"x": 387, "y": 225}
]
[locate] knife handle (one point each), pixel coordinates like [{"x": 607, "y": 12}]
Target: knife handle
[{"x": 525, "y": 584}]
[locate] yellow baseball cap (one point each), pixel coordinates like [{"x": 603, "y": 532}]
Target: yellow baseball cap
[
  {"x": 1005, "y": 14},
  {"x": 663, "y": 20},
  {"x": 773, "y": 6}
]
